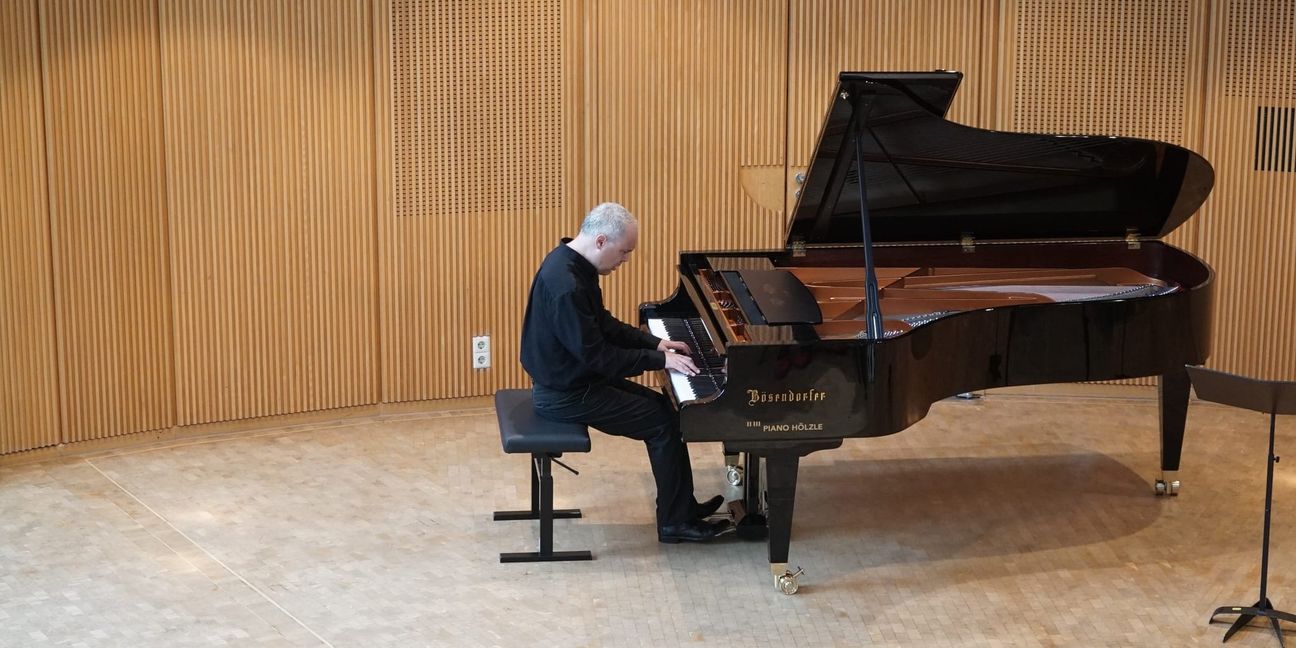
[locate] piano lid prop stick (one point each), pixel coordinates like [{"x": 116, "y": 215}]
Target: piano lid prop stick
[{"x": 874, "y": 316}]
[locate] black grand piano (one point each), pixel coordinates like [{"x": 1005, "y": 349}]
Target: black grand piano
[{"x": 926, "y": 259}]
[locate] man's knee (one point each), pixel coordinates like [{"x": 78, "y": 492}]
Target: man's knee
[
  {"x": 666, "y": 433},
  {"x": 665, "y": 416}
]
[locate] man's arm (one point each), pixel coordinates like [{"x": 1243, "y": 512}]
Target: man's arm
[
  {"x": 622, "y": 334},
  {"x": 677, "y": 358},
  {"x": 614, "y": 350}
]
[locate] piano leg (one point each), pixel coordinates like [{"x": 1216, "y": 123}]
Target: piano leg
[
  {"x": 780, "y": 498},
  {"x": 1173, "y": 392},
  {"x": 782, "y": 460}
]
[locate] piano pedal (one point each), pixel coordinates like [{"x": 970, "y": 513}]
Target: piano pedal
[
  {"x": 725, "y": 513},
  {"x": 748, "y": 526}
]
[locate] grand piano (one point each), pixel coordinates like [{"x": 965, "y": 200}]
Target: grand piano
[{"x": 925, "y": 259}]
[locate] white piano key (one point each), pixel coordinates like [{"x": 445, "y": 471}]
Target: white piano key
[
  {"x": 683, "y": 390},
  {"x": 657, "y": 326},
  {"x": 679, "y": 382}
]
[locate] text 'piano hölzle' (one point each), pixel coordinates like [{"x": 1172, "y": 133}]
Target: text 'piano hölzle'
[{"x": 925, "y": 259}]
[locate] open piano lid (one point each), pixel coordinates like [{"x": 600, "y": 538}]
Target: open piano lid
[{"x": 929, "y": 179}]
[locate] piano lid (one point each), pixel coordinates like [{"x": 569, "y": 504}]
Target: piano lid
[{"x": 929, "y": 179}]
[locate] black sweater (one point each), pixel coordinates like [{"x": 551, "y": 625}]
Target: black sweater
[{"x": 569, "y": 340}]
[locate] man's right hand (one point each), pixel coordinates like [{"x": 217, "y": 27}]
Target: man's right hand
[{"x": 681, "y": 363}]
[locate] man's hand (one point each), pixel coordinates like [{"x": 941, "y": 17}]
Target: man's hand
[
  {"x": 681, "y": 363},
  {"x": 677, "y": 357},
  {"x": 667, "y": 346}
]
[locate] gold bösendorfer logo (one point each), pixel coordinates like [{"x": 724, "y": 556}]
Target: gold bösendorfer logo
[{"x": 755, "y": 396}]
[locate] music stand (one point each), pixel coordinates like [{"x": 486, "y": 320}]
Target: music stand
[{"x": 1273, "y": 398}]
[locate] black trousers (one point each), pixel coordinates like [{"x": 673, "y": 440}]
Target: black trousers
[{"x": 627, "y": 409}]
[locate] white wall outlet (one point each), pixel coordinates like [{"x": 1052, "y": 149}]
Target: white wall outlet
[{"x": 481, "y": 353}]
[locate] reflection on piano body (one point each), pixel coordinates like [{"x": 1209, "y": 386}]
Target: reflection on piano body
[{"x": 925, "y": 259}]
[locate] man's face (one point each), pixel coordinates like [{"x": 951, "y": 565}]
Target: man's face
[{"x": 611, "y": 254}]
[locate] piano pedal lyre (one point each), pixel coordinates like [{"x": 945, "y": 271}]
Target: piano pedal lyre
[{"x": 785, "y": 581}]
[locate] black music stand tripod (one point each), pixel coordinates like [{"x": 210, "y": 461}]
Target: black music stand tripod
[{"x": 1273, "y": 398}]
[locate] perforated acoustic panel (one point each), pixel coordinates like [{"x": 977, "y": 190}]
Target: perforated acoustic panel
[
  {"x": 1109, "y": 67},
  {"x": 1257, "y": 34},
  {"x": 482, "y": 103},
  {"x": 477, "y": 106},
  {"x": 28, "y": 396}
]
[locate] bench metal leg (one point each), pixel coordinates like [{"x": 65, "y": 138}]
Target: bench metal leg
[
  {"x": 542, "y": 509},
  {"x": 534, "y": 513}
]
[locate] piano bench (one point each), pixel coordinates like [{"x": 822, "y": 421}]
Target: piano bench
[{"x": 522, "y": 431}]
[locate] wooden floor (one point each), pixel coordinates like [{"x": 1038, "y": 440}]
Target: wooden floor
[{"x": 1009, "y": 521}]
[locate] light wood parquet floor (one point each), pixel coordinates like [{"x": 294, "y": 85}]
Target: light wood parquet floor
[{"x": 1009, "y": 521}]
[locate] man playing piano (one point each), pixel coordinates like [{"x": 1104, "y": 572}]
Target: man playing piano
[{"x": 579, "y": 356}]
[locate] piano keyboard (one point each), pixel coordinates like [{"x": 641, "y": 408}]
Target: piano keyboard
[{"x": 710, "y": 364}]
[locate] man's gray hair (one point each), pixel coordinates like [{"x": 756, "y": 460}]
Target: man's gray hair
[{"x": 609, "y": 219}]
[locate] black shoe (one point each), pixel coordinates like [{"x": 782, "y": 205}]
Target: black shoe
[
  {"x": 691, "y": 531},
  {"x": 708, "y": 508}
]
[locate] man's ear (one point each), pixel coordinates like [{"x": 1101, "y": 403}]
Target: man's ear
[{"x": 600, "y": 241}]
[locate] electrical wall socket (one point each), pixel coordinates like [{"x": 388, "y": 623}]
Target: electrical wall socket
[{"x": 481, "y": 353}]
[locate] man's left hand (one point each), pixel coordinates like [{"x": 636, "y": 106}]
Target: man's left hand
[{"x": 667, "y": 346}]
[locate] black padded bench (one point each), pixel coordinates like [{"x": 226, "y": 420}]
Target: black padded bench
[{"x": 523, "y": 431}]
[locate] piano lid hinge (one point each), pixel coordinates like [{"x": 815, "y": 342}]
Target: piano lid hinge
[
  {"x": 798, "y": 248},
  {"x": 967, "y": 242},
  {"x": 1132, "y": 239}
]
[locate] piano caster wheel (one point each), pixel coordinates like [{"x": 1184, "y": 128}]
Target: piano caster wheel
[
  {"x": 734, "y": 475},
  {"x": 1170, "y": 488},
  {"x": 787, "y": 582}
]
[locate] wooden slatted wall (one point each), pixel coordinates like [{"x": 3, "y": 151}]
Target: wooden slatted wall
[
  {"x": 221, "y": 209},
  {"x": 1248, "y": 228},
  {"x": 680, "y": 98},
  {"x": 106, "y": 212},
  {"x": 28, "y": 396},
  {"x": 268, "y": 120}
]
